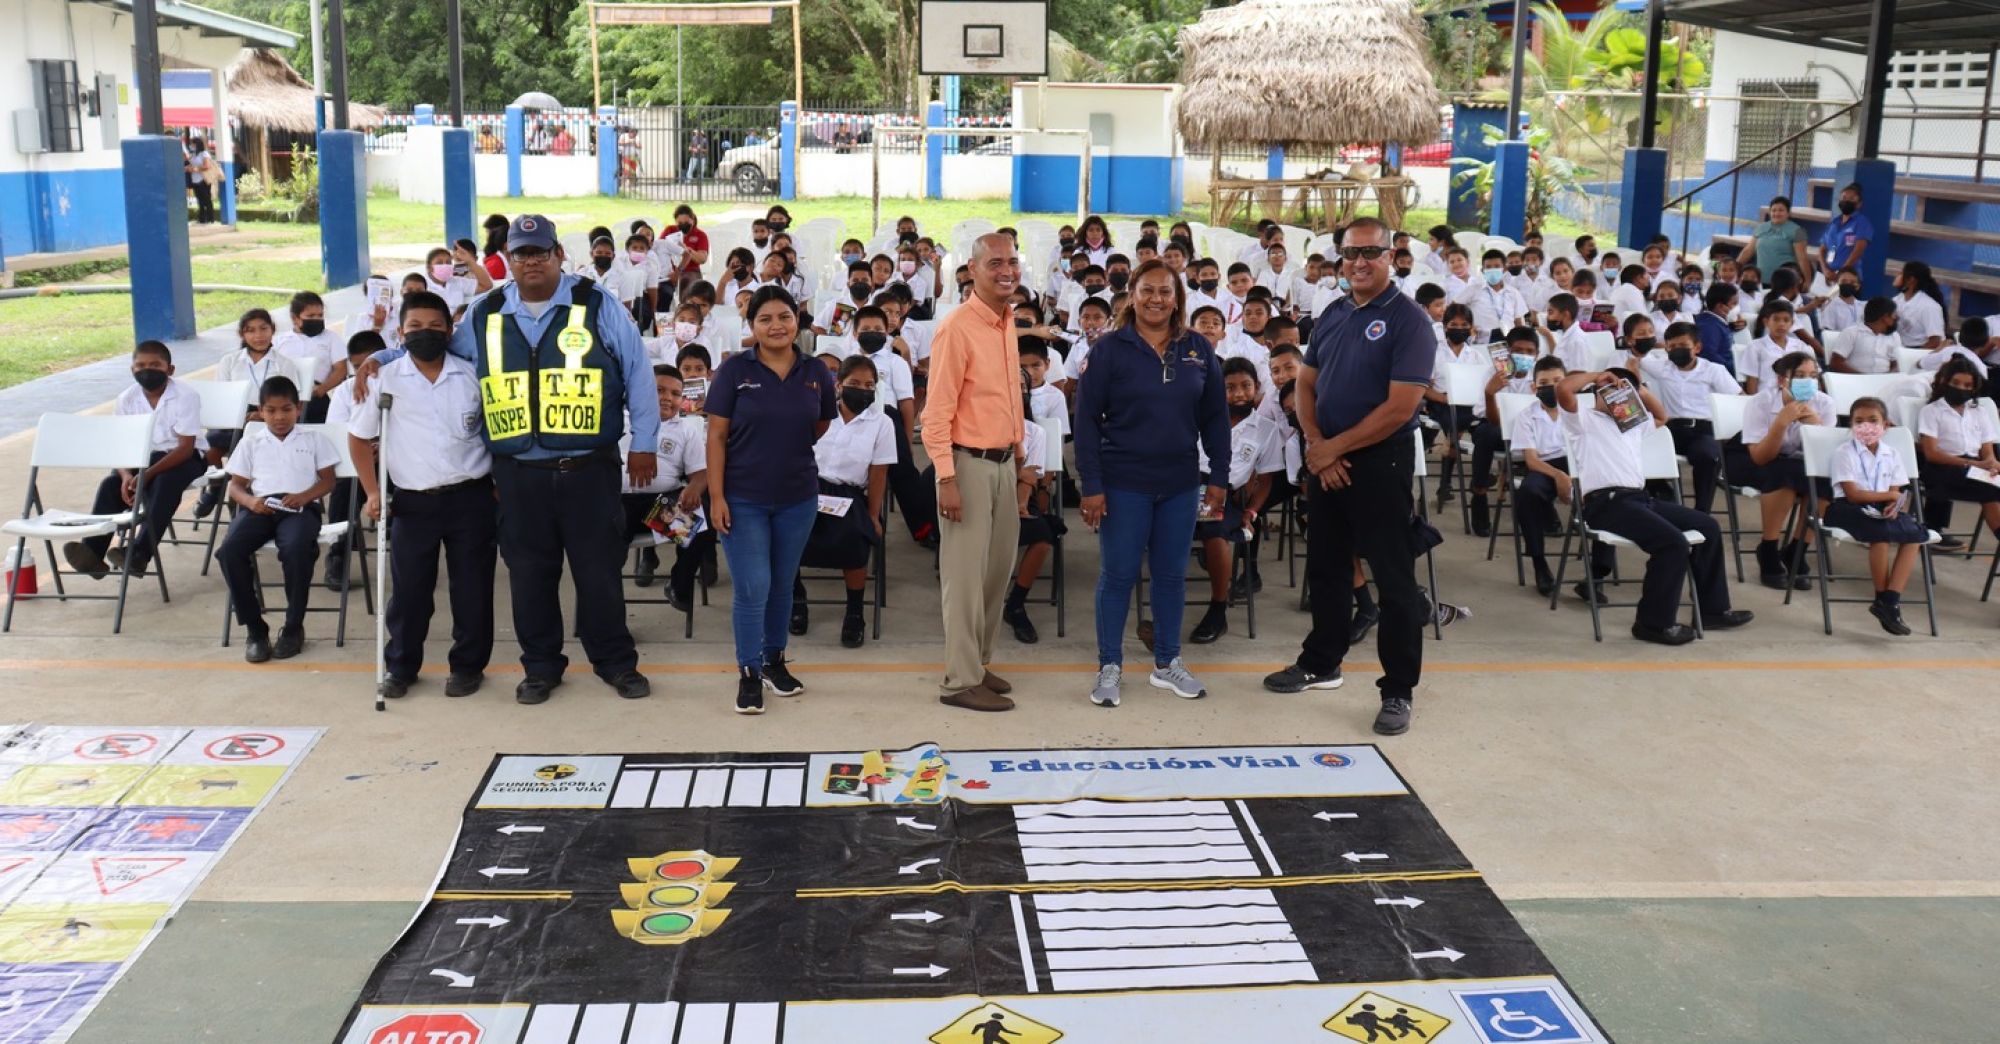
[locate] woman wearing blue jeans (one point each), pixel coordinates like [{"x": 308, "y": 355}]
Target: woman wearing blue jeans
[
  {"x": 765, "y": 409},
  {"x": 1152, "y": 390}
]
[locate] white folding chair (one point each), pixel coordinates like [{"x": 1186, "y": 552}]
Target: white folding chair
[
  {"x": 1657, "y": 464},
  {"x": 331, "y": 534},
  {"x": 638, "y": 545},
  {"x": 1052, "y": 469},
  {"x": 1844, "y": 388},
  {"x": 1512, "y": 405},
  {"x": 1908, "y": 358},
  {"x": 1820, "y": 445},
  {"x": 1465, "y": 385},
  {"x": 1470, "y": 241},
  {"x": 1726, "y": 412},
  {"x": 99, "y": 444},
  {"x": 1600, "y": 348},
  {"x": 223, "y": 408}
]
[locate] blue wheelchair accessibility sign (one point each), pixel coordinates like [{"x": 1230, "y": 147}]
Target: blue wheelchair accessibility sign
[{"x": 1532, "y": 1015}]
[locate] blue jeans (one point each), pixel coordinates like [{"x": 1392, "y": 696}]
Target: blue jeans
[
  {"x": 1160, "y": 529},
  {"x": 764, "y": 544}
]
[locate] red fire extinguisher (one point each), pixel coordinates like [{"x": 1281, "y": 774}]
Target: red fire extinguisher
[{"x": 19, "y": 560}]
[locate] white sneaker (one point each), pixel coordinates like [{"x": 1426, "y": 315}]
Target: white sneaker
[
  {"x": 1106, "y": 692},
  {"x": 1174, "y": 678}
]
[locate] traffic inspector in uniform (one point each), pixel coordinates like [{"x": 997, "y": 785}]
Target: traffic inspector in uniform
[{"x": 560, "y": 368}]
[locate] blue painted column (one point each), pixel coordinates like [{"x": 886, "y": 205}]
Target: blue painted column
[
  {"x": 1510, "y": 190},
  {"x": 517, "y": 143},
  {"x": 607, "y": 150},
  {"x": 1469, "y": 147},
  {"x": 934, "y": 153},
  {"x": 1274, "y": 163},
  {"x": 227, "y": 192},
  {"x": 156, "y": 230},
  {"x": 426, "y": 114},
  {"x": 461, "y": 192},
  {"x": 1641, "y": 196},
  {"x": 343, "y": 207},
  {"x": 788, "y": 141},
  {"x": 1877, "y": 178}
]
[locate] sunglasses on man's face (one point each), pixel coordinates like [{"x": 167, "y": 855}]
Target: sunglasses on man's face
[{"x": 1363, "y": 253}]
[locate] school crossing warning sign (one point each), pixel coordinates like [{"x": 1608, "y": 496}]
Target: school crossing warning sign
[{"x": 965, "y": 897}]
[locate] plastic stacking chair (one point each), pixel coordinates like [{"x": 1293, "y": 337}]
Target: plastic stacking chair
[{"x": 99, "y": 444}]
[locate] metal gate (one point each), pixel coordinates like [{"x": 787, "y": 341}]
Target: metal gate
[{"x": 698, "y": 152}]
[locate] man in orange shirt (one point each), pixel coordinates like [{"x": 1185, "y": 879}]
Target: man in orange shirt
[{"x": 972, "y": 432}]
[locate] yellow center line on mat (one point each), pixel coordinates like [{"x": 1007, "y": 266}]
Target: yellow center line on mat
[{"x": 910, "y": 667}]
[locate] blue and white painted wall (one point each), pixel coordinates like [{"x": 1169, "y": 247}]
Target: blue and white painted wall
[
  {"x": 1137, "y": 164},
  {"x": 61, "y": 201}
]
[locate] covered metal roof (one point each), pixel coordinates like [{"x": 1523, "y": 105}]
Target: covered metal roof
[
  {"x": 1926, "y": 25},
  {"x": 212, "y": 23}
]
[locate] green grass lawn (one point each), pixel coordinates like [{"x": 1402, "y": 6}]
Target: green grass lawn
[{"x": 45, "y": 335}]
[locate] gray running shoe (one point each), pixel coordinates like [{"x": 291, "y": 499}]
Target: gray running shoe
[
  {"x": 1105, "y": 694},
  {"x": 1174, "y": 678}
]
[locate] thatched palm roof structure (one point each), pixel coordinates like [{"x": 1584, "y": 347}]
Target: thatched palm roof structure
[
  {"x": 267, "y": 94},
  {"x": 1315, "y": 72}
]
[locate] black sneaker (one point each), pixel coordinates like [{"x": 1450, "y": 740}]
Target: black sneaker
[
  {"x": 1297, "y": 679},
  {"x": 533, "y": 690},
  {"x": 1545, "y": 581},
  {"x": 393, "y": 688},
  {"x": 1394, "y": 717},
  {"x": 210, "y": 499},
  {"x": 1016, "y": 617},
  {"x": 1364, "y": 621},
  {"x": 678, "y": 602},
  {"x": 853, "y": 630},
  {"x": 1949, "y": 543},
  {"x": 778, "y": 678},
  {"x": 1585, "y": 591},
  {"x": 649, "y": 564},
  {"x": 83, "y": 560},
  {"x": 291, "y": 642},
  {"x": 749, "y": 692},
  {"x": 1890, "y": 617},
  {"x": 1481, "y": 516},
  {"x": 1214, "y": 624},
  {"x": 257, "y": 646},
  {"x": 801, "y": 618},
  {"x": 631, "y": 685},
  {"x": 463, "y": 683}
]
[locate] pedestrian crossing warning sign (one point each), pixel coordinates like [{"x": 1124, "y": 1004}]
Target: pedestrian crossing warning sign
[
  {"x": 993, "y": 1024},
  {"x": 1373, "y": 1018}
]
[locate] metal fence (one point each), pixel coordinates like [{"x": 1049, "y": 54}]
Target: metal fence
[
  {"x": 548, "y": 132},
  {"x": 705, "y": 152}
]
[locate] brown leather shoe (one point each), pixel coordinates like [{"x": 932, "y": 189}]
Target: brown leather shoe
[
  {"x": 978, "y": 698},
  {"x": 995, "y": 684}
]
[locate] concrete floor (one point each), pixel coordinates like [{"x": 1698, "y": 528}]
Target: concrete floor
[{"x": 1769, "y": 836}]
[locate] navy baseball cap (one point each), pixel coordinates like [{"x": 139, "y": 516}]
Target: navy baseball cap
[{"x": 531, "y": 230}]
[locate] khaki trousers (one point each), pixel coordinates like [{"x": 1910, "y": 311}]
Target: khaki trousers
[{"x": 976, "y": 565}]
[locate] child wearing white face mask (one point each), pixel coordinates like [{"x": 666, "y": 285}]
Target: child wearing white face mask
[{"x": 1870, "y": 492}]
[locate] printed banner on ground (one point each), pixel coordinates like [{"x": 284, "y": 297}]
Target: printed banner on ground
[
  {"x": 966, "y": 897},
  {"x": 104, "y": 832}
]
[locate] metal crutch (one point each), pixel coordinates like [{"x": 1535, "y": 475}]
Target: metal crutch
[{"x": 382, "y": 488}]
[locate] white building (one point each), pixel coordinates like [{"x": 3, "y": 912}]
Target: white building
[{"x": 66, "y": 77}]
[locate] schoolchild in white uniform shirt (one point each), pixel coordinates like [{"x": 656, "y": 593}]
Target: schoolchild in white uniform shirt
[
  {"x": 1771, "y": 420},
  {"x": 1684, "y": 382},
  {"x": 1777, "y": 341},
  {"x": 1256, "y": 452},
  {"x": 1868, "y": 346},
  {"x": 854, "y": 458},
  {"x": 434, "y": 446},
  {"x": 681, "y": 481},
  {"x": 1871, "y": 503},
  {"x": 278, "y": 473},
  {"x": 315, "y": 350},
  {"x": 1537, "y": 445},
  {"x": 173, "y": 466},
  {"x": 1956, "y": 439}
]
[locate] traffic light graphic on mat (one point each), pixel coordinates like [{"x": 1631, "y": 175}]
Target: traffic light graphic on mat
[{"x": 674, "y": 898}]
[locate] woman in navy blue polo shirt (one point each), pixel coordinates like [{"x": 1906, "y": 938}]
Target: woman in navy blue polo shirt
[
  {"x": 766, "y": 408},
  {"x": 1151, "y": 390}
]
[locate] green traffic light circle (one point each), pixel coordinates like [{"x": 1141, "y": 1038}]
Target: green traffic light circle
[{"x": 667, "y": 924}]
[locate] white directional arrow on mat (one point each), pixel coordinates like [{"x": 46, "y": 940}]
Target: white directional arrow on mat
[
  {"x": 911, "y": 822},
  {"x": 453, "y": 978},
  {"x": 1408, "y": 901},
  {"x": 494, "y": 921},
  {"x": 1447, "y": 953},
  {"x": 492, "y": 872},
  {"x": 1357, "y": 857},
  {"x": 1328, "y": 817},
  {"x": 916, "y": 866},
  {"x": 929, "y": 971},
  {"x": 515, "y": 828},
  {"x": 928, "y": 917}
]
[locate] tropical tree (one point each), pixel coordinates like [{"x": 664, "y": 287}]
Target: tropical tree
[{"x": 1549, "y": 176}]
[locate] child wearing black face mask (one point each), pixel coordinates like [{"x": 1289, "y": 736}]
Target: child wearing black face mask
[
  {"x": 1455, "y": 350},
  {"x": 1955, "y": 436},
  {"x": 314, "y": 350},
  {"x": 1256, "y": 452},
  {"x": 836, "y": 315},
  {"x": 1684, "y": 383},
  {"x": 853, "y": 459},
  {"x": 1538, "y": 446},
  {"x": 176, "y": 413}
]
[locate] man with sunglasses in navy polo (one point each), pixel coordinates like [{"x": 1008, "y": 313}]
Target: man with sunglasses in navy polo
[{"x": 1363, "y": 381}]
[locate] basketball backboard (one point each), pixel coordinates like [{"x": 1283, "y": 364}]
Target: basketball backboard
[{"x": 984, "y": 37}]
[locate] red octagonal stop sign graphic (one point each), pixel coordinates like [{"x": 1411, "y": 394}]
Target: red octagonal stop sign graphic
[{"x": 436, "y": 1028}]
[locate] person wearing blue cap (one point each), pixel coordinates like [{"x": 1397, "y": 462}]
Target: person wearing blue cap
[{"x": 560, "y": 368}]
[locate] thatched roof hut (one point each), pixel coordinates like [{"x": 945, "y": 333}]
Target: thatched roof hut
[
  {"x": 1313, "y": 72},
  {"x": 267, "y": 94}
]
